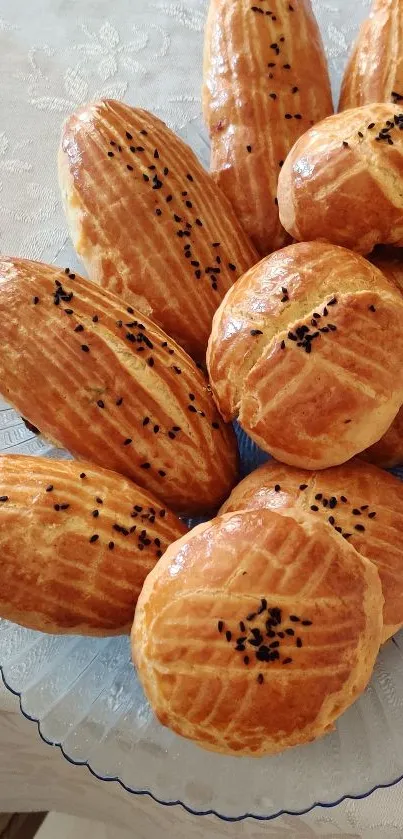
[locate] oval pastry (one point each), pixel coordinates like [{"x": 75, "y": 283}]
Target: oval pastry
[
  {"x": 341, "y": 181},
  {"x": 360, "y": 502},
  {"x": 255, "y": 632},
  {"x": 307, "y": 352},
  {"x": 265, "y": 83},
  {"x": 99, "y": 378},
  {"x": 374, "y": 72},
  {"x": 148, "y": 221},
  {"x": 76, "y": 544}
]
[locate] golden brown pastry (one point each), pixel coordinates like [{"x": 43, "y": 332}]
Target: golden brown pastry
[
  {"x": 341, "y": 181},
  {"x": 76, "y": 544},
  {"x": 362, "y": 503},
  {"x": 99, "y": 378},
  {"x": 265, "y": 83},
  {"x": 148, "y": 221},
  {"x": 307, "y": 352},
  {"x": 255, "y": 632},
  {"x": 388, "y": 451},
  {"x": 374, "y": 72}
]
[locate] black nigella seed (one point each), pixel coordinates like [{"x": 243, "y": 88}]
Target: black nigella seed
[
  {"x": 242, "y": 626},
  {"x": 95, "y": 319},
  {"x": 95, "y": 513},
  {"x": 99, "y": 500},
  {"x": 150, "y": 362},
  {"x": 371, "y": 515},
  {"x": 372, "y": 308},
  {"x": 256, "y": 332},
  {"x": 128, "y": 135},
  {"x": 260, "y": 678},
  {"x": 177, "y": 370},
  {"x": 228, "y": 635},
  {"x": 273, "y": 96},
  {"x": 192, "y": 409},
  {"x": 85, "y": 348},
  {"x": 287, "y": 660},
  {"x": 35, "y": 300},
  {"x": 49, "y": 488},
  {"x": 332, "y": 502},
  {"x": 251, "y": 617},
  {"x": 145, "y": 465},
  {"x": 306, "y": 623},
  {"x": 130, "y": 168},
  {"x": 249, "y": 149},
  {"x": 156, "y": 429},
  {"x": 111, "y": 154},
  {"x": 289, "y": 632},
  {"x": 231, "y": 266},
  {"x": 158, "y": 212},
  {"x": 3, "y": 498},
  {"x": 331, "y": 520},
  {"x": 303, "y": 486},
  {"x": 146, "y": 420},
  {"x": 168, "y": 199},
  {"x": 338, "y": 530},
  {"x": 79, "y": 328},
  {"x": 171, "y": 435},
  {"x": 100, "y": 403},
  {"x": 343, "y": 499},
  {"x": 356, "y": 512},
  {"x": 56, "y": 507},
  {"x": 220, "y": 626},
  {"x": 145, "y": 177},
  {"x": 364, "y": 507},
  {"x": 282, "y": 345},
  {"x": 277, "y": 488},
  {"x": 294, "y": 618},
  {"x": 314, "y": 508},
  {"x": 140, "y": 148},
  {"x": 111, "y": 546},
  {"x": 166, "y": 170},
  {"x": 127, "y": 441},
  {"x": 83, "y": 475},
  {"x": 119, "y": 401},
  {"x": 94, "y": 538},
  {"x": 318, "y": 496},
  {"x": 359, "y": 527},
  {"x": 246, "y": 659}
]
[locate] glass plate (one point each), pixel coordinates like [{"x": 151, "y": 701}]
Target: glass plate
[{"x": 83, "y": 693}]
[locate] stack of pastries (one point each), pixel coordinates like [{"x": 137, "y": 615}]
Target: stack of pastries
[{"x": 268, "y": 291}]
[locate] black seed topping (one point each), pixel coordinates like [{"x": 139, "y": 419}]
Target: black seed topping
[
  {"x": 95, "y": 514},
  {"x": 277, "y": 488},
  {"x": 127, "y": 441},
  {"x": 228, "y": 635},
  {"x": 294, "y": 618},
  {"x": 220, "y": 626},
  {"x": 371, "y": 515},
  {"x": 100, "y": 403},
  {"x": 372, "y": 308},
  {"x": 289, "y": 632},
  {"x": 287, "y": 660},
  {"x": 303, "y": 486},
  {"x": 359, "y": 527},
  {"x": 94, "y": 538},
  {"x": 111, "y": 546},
  {"x": 85, "y": 348},
  {"x": 3, "y": 498}
]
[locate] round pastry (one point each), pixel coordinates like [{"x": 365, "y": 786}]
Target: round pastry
[
  {"x": 341, "y": 181},
  {"x": 362, "y": 503},
  {"x": 307, "y": 352},
  {"x": 255, "y": 632}
]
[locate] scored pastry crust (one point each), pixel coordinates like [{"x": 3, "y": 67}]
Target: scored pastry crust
[
  {"x": 341, "y": 181},
  {"x": 265, "y": 83},
  {"x": 388, "y": 451},
  {"x": 104, "y": 381},
  {"x": 148, "y": 221},
  {"x": 364, "y": 502},
  {"x": 73, "y": 557},
  {"x": 374, "y": 72},
  {"x": 312, "y": 398},
  {"x": 231, "y": 588}
]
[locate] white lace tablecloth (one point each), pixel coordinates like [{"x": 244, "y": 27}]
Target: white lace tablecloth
[{"x": 55, "y": 54}]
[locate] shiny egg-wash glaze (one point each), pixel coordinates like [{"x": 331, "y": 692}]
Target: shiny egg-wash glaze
[
  {"x": 341, "y": 182},
  {"x": 374, "y": 72},
  {"x": 104, "y": 381},
  {"x": 265, "y": 83},
  {"x": 76, "y": 544},
  {"x": 360, "y": 502},
  {"x": 307, "y": 352},
  {"x": 255, "y": 632},
  {"x": 148, "y": 221},
  {"x": 388, "y": 451}
]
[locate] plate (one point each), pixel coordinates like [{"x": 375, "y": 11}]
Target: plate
[{"x": 83, "y": 693}]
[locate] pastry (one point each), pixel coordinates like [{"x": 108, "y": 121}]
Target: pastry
[
  {"x": 96, "y": 376},
  {"x": 148, "y": 221},
  {"x": 388, "y": 451},
  {"x": 76, "y": 544},
  {"x": 362, "y": 503},
  {"x": 247, "y": 658},
  {"x": 265, "y": 83},
  {"x": 307, "y": 352},
  {"x": 374, "y": 72},
  {"x": 340, "y": 182}
]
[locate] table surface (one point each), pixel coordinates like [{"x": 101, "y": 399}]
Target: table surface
[{"x": 55, "y": 54}]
